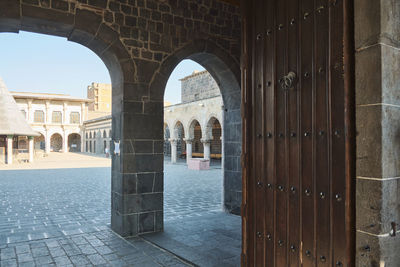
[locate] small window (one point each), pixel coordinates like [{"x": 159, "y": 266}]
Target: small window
[
  {"x": 86, "y": 136},
  {"x": 104, "y": 134},
  {"x": 38, "y": 116},
  {"x": 74, "y": 118},
  {"x": 90, "y": 134},
  {"x": 56, "y": 117},
  {"x": 94, "y": 134}
]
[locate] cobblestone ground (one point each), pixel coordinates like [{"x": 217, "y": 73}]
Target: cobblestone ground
[
  {"x": 189, "y": 193},
  {"x": 62, "y": 217}
]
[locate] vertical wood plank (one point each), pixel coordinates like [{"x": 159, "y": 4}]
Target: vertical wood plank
[
  {"x": 307, "y": 190},
  {"x": 293, "y": 137}
]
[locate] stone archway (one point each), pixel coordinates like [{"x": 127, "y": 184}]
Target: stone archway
[
  {"x": 74, "y": 142},
  {"x": 226, "y": 72},
  {"x": 213, "y": 132},
  {"x": 137, "y": 95},
  {"x": 56, "y": 142}
]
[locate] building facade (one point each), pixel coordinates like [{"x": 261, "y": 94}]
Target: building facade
[
  {"x": 58, "y": 118},
  {"x": 192, "y": 128}
]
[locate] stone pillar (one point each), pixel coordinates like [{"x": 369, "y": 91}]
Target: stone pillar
[
  {"x": 82, "y": 112},
  {"x": 29, "y": 115},
  {"x": 31, "y": 148},
  {"x": 189, "y": 149},
  {"x": 207, "y": 148},
  {"x": 48, "y": 113},
  {"x": 174, "y": 151},
  {"x": 9, "y": 149},
  {"x": 65, "y": 117},
  {"x": 65, "y": 142},
  {"x": 47, "y": 141},
  {"x": 377, "y": 42}
]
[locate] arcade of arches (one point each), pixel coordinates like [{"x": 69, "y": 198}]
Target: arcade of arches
[{"x": 142, "y": 41}]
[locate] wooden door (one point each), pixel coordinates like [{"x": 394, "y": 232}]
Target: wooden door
[{"x": 297, "y": 79}]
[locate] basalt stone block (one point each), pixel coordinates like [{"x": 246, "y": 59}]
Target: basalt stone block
[
  {"x": 154, "y": 108},
  {"x": 158, "y": 182},
  {"x": 9, "y": 9},
  {"x": 129, "y": 184},
  {"x": 125, "y": 225},
  {"x": 145, "y": 183},
  {"x": 151, "y": 202},
  {"x": 233, "y": 148},
  {"x": 390, "y": 19},
  {"x": 133, "y": 107},
  {"x": 47, "y": 21},
  {"x": 149, "y": 163},
  {"x": 159, "y": 221},
  {"x": 146, "y": 70},
  {"x": 158, "y": 146},
  {"x": 128, "y": 70},
  {"x": 146, "y": 222},
  {"x": 142, "y": 146},
  {"x": 135, "y": 92},
  {"x": 143, "y": 126},
  {"x": 142, "y": 203},
  {"x": 60, "y": 5},
  {"x": 369, "y": 201},
  {"x": 98, "y": 3},
  {"x": 119, "y": 50},
  {"x": 232, "y": 180},
  {"x": 368, "y": 250},
  {"x": 390, "y": 70},
  {"x": 369, "y": 141},
  {"x": 369, "y": 76},
  {"x": 377, "y": 82},
  {"x": 107, "y": 34},
  {"x": 129, "y": 163}
]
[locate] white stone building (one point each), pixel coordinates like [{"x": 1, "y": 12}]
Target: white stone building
[
  {"x": 192, "y": 128},
  {"x": 58, "y": 118}
]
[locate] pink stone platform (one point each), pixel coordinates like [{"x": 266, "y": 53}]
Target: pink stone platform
[{"x": 198, "y": 164}]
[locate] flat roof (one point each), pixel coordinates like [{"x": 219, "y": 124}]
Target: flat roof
[{"x": 47, "y": 96}]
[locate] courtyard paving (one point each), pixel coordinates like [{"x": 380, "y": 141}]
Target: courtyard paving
[{"x": 61, "y": 217}]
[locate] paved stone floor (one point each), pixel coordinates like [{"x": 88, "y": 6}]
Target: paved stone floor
[
  {"x": 61, "y": 217},
  {"x": 195, "y": 226}
]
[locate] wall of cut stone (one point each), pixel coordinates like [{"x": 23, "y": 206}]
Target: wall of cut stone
[
  {"x": 377, "y": 38},
  {"x": 198, "y": 86}
]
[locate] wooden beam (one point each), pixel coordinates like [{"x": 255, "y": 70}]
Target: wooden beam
[{"x": 232, "y": 2}]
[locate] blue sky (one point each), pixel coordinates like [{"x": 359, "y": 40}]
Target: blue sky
[{"x": 32, "y": 62}]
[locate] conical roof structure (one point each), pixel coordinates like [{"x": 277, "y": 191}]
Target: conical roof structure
[{"x": 12, "y": 122}]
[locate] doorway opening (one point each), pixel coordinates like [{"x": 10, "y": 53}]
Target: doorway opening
[
  {"x": 58, "y": 195},
  {"x": 194, "y": 173}
]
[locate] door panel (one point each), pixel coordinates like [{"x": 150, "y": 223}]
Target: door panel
[{"x": 298, "y": 159}]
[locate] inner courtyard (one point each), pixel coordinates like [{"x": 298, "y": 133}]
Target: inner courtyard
[{"x": 61, "y": 214}]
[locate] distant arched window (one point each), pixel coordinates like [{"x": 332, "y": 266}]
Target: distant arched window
[
  {"x": 104, "y": 134},
  {"x": 109, "y": 134},
  {"x": 94, "y": 134},
  {"x": 74, "y": 118},
  {"x": 56, "y": 117},
  {"x": 86, "y": 135},
  {"x": 90, "y": 134},
  {"x": 38, "y": 116}
]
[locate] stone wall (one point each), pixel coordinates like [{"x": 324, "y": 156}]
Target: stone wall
[
  {"x": 199, "y": 86},
  {"x": 141, "y": 42},
  {"x": 377, "y": 37}
]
